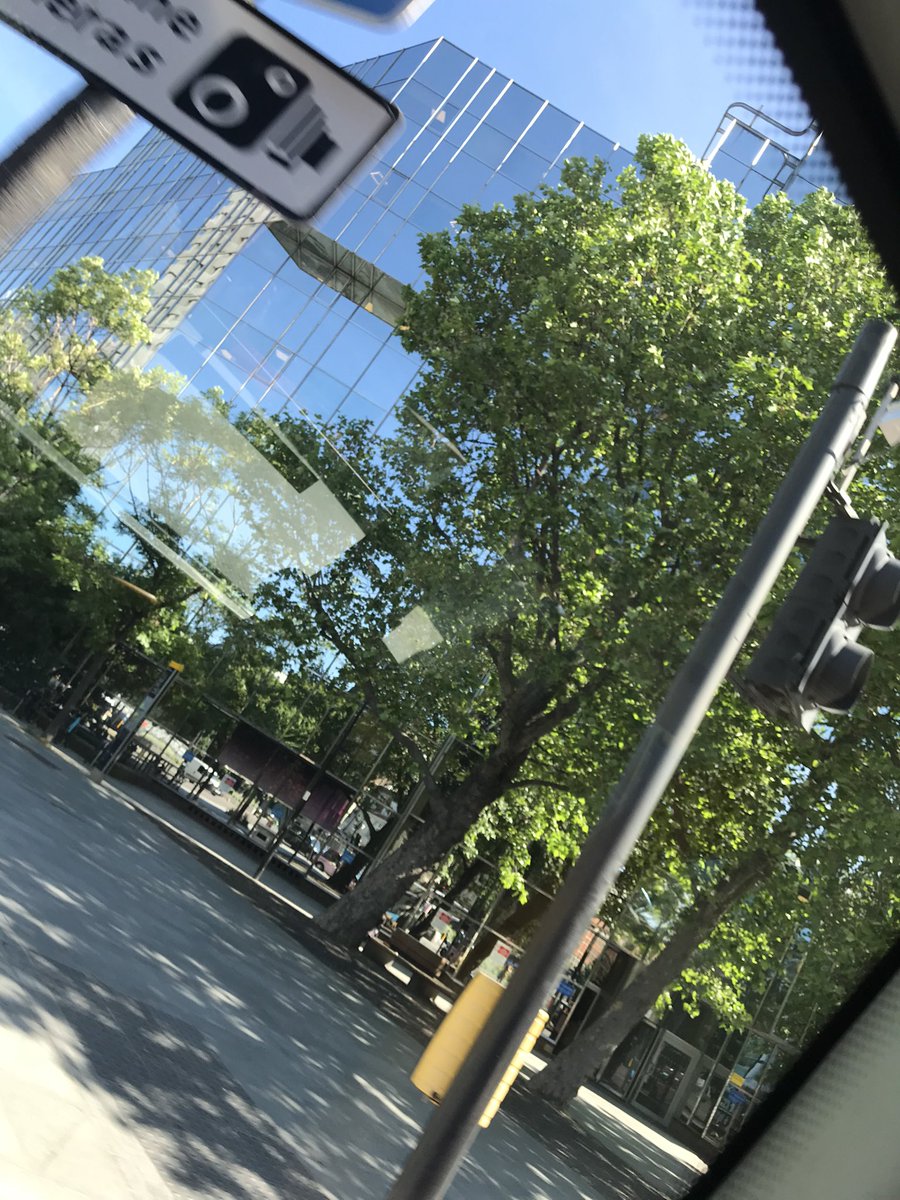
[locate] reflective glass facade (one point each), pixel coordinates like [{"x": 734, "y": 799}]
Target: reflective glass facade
[
  {"x": 273, "y": 333},
  {"x": 280, "y": 327},
  {"x": 281, "y": 319},
  {"x": 160, "y": 209},
  {"x": 759, "y": 155},
  {"x": 299, "y": 321},
  {"x": 287, "y": 320},
  {"x": 471, "y": 136},
  {"x": 303, "y": 318}
]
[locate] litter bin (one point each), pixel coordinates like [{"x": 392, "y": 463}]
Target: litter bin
[{"x": 457, "y": 1034}]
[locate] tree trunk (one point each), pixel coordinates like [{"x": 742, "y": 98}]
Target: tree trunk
[
  {"x": 349, "y": 920},
  {"x": 591, "y": 1049},
  {"x": 449, "y": 817},
  {"x": 464, "y": 880}
]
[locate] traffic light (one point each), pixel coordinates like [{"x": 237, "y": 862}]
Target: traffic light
[{"x": 811, "y": 660}]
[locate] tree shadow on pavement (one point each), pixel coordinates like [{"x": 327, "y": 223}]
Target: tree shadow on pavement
[
  {"x": 244, "y": 1060},
  {"x": 197, "y": 1124},
  {"x": 634, "y": 1167}
]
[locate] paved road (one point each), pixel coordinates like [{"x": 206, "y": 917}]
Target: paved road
[{"x": 163, "y": 1038}]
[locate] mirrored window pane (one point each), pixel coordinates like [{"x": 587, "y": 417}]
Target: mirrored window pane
[
  {"x": 499, "y": 190},
  {"x": 743, "y": 144},
  {"x": 239, "y": 285},
  {"x": 489, "y": 145},
  {"x": 525, "y": 167},
  {"x": 443, "y": 68},
  {"x": 380, "y": 68},
  {"x": 470, "y": 83},
  {"x": 319, "y": 395},
  {"x": 420, "y": 103},
  {"x": 754, "y": 187},
  {"x": 275, "y": 308},
  {"x": 483, "y": 99},
  {"x": 435, "y": 164},
  {"x": 514, "y": 111},
  {"x": 462, "y": 182},
  {"x": 207, "y": 324},
  {"x": 401, "y": 258},
  {"x": 590, "y": 145},
  {"x": 350, "y": 355},
  {"x": 550, "y": 132},
  {"x": 404, "y": 64},
  {"x": 433, "y": 214},
  {"x": 387, "y": 377},
  {"x": 461, "y": 128},
  {"x": 265, "y": 250}
]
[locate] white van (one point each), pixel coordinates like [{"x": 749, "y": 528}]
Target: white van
[{"x": 196, "y": 769}]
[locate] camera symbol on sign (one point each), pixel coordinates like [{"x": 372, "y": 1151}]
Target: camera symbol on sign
[{"x": 245, "y": 93}]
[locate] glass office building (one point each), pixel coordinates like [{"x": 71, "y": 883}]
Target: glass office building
[
  {"x": 759, "y": 155},
  {"x": 160, "y": 209},
  {"x": 281, "y": 318},
  {"x": 303, "y": 317}
]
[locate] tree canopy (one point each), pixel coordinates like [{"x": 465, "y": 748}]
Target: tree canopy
[{"x": 620, "y": 371}]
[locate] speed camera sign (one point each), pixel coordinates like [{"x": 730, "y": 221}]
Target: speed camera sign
[{"x": 225, "y": 81}]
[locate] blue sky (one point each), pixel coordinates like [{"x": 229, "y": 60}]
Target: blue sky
[{"x": 623, "y": 66}]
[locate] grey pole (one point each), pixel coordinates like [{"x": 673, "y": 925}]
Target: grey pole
[
  {"x": 39, "y": 170},
  {"x": 450, "y": 1132}
]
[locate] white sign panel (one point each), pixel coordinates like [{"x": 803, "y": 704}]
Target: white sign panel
[
  {"x": 241, "y": 92},
  {"x": 498, "y": 962}
]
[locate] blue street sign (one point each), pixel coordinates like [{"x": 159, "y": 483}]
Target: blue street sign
[{"x": 402, "y": 11}]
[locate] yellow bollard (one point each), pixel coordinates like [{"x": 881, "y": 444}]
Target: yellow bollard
[
  {"x": 512, "y": 1071},
  {"x": 455, "y": 1037}
]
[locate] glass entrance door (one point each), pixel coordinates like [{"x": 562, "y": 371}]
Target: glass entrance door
[{"x": 665, "y": 1078}]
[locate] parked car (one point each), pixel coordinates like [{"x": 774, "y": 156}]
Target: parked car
[
  {"x": 196, "y": 769},
  {"x": 327, "y": 862},
  {"x": 224, "y": 786}
]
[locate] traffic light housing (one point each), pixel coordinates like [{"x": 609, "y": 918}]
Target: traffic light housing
[{"x": 811, "y": 661}]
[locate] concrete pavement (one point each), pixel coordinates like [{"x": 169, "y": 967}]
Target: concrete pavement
[{"x": 162, "y": 1037}]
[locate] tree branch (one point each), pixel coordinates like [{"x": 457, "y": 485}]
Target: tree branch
[
  {"x": 501, "y": 656},
  {"x": 343, "y": 646},
  {"x": 548, "y": 783}
]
